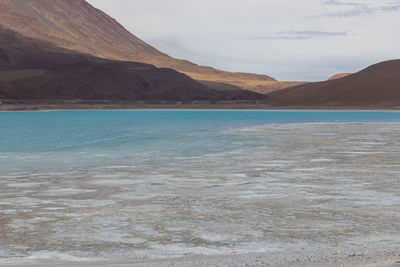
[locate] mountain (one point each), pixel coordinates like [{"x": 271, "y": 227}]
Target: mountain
[
  {"x": 32, "y": 69},
  {"x": 338, "y": 76},
  {"x": 375, "y": 86},
  {"x": 76, "y": 25}
]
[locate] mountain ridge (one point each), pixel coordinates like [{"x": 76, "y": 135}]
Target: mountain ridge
[
  {"x": 375, "y": 86},
  {"x": 37, "y": 70},
  {"x": 77, "y": 25},
  {"x": 338, "y": 76}
]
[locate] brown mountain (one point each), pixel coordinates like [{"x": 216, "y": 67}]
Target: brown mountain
[
  {"x": 76, "y": 25},
  {"x": 338, "y": 76},
  {"x": 375, "y": 86},
  {"x": 37, "y": 70}
]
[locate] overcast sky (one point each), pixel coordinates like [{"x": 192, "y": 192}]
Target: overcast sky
[{"x": 304, "y": 40}]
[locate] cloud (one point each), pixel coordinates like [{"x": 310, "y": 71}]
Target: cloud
[
  {"x": 298, "y": 35},
  {"x": 341, "y": 3},
  {"x": 394, "y": 7},
  {"x": 351, "y": 9}
]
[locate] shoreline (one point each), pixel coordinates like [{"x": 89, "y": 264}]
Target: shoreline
[{"x": 188, "y": 107}]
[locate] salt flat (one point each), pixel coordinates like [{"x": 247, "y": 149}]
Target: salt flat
[{"x": 306, "y": 194}]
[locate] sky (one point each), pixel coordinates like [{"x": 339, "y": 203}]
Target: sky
[{"x": 290, "y": 40}]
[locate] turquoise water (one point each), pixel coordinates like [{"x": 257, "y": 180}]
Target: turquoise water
[{"x": 37, "y": 140}]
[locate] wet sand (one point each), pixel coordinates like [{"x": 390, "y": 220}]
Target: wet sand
[{"x": 306, "y": 195}]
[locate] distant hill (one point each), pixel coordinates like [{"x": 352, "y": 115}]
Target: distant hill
[
  {"x": 76, "y": 25},
  {"x": 38, "y": 70},
  {"x": 375, "y": 86},
  {"x": 338, "y": 76}
]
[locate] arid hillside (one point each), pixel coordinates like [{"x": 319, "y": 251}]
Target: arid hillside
[
  {"x": 38, "y": 70},
  {"x": 76, "y": 25},
  {"x": 375, "y": 86},
  {"x": 339, "y": 75}
]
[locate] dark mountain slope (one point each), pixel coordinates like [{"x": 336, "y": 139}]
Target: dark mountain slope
[
  {"x": 377, "y": 85},
  {"x": 37, "y": 70}
]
